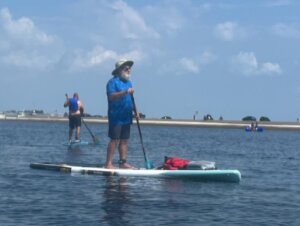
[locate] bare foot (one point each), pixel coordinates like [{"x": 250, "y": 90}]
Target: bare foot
[
  {"x": 109, "y": 167},
  {"x": 126, "y": 166}
]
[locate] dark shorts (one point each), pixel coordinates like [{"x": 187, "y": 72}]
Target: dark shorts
[
  {"x": 74, "y": 121},
  {"x": 117, "y": 132}
]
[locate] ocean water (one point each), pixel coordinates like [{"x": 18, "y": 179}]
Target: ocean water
[{"x": 269, "y": 193}]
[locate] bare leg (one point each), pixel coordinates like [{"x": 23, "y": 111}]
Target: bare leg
[
  {"x": 110, "y": 153},
  {"x": 77, "y": 133},
  {"x": 123, "y": 147},
  {"x": 70, "y": 134}
]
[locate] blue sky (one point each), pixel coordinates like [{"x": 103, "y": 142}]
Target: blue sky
[{"x": 225, "y": 58}]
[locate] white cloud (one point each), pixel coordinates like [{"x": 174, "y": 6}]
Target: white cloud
[
  {"x": 225, "y": 31},
  {"x": 132, "y": 23},
  {"x": 93, "y": 58},
  {"x": 207, "y": 57},
  {"x": 193, "y": 64},
  {"x": 169, "y": 20},
  {"x": 22, "y": 59},
  {"x": 206, "y": 6},
  {"x": 22, "y": 44},
  {"x": 189, "y": 65},
  {"x": 23, "y": 28},
  {"x": 246, "y": 63},
  {"x": 287, "y": 31},
  {"x": 99, "y": 55},
  {"x": 270, "y": 68},
  {"x": 228, "y": 31}
]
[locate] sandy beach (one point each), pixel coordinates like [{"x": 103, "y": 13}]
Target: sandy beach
[{"x": 173, "y": 122}]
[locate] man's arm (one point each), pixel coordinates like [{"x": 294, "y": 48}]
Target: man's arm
[
  {"x": 66, "y": 104},
  {"x": 117, "y": 95},
  {"x": 80, "y": 107}
]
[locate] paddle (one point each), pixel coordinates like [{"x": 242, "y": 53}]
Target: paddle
[
  {"x": 148, "y": 163},
  {"x": 95, "y": 139}
]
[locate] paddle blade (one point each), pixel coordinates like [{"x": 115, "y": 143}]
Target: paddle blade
[
  {"x": 149, "y": 164},
  {"x": 96, "y": 140}
]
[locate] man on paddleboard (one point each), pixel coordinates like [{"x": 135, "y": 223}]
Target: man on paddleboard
[
  {"x": 75, "y": 112},
  {"x": 120, "y": 112}
]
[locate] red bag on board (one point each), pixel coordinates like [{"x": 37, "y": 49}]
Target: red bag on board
[{"x": 174, "y": 163}]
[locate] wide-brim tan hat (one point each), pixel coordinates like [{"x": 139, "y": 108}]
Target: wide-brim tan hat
[{"x": 120, "y": 64}]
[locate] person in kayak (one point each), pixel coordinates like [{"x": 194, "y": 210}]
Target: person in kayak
[
  {"x": 120, "y": 112},
  {"x": 75, "y": 113}
]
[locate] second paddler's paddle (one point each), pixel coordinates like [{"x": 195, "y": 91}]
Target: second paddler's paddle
[
  {"x": 95, "y": 139},
  {"x": 148, "y": 163}
]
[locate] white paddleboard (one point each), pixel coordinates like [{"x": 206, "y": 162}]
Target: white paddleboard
[
  {"x": 80, "y": 143},
  {"x": 225, "y": 175}
]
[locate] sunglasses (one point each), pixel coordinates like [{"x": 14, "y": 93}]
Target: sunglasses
[{"x": 126, "y": 68}]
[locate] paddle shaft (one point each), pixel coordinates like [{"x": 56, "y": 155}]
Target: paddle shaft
[
  {"x": 139, "y": 128},
  {"x": 94, "y": 138}
]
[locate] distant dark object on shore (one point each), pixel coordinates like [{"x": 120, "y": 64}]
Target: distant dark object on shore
[
  {"x": 86, "y": 115},
  {"x": 99, "y": 116},
  {"x": 249, "y": 118},
  {"x": 166, "y": 117},
  {"x": 208, "y": 117},
  {"x": 264, "y": 119},
  {"x": 142, "y": 116},
  {"x": 252, "y": 118}
]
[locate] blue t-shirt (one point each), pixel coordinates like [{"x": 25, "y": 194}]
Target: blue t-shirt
[{"x": 119, "y": 110}]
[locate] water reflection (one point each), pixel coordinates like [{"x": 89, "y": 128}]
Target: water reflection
[
  {"x": 73, "y": 155},
  {"x": 115, "y": 201},
  {"x": 75, "y": 149}
]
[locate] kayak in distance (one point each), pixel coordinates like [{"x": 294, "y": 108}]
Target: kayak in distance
[
  {"x": 221, "y": 175},
  {"x": 256, "y": 129}
]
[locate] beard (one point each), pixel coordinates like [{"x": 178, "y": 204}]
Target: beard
[{"x": 125, "y": 76}]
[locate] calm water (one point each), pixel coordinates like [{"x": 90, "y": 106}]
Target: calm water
[{"x": 269, "y": 193}]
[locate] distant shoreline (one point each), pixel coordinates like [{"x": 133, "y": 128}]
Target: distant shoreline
[{"x": 172, "y": 122}]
